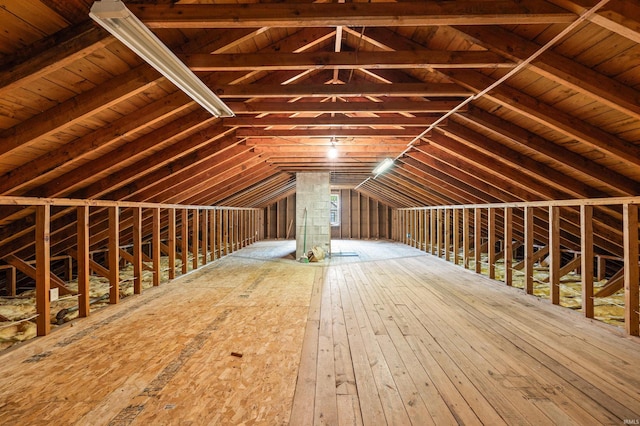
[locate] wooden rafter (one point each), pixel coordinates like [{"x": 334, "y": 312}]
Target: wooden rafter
[
  {"x": 350, "y": 14},
  {"x": 345, "y": 60}
]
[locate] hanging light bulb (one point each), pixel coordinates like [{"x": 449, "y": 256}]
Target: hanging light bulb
[{"x": 333, "y": 151}]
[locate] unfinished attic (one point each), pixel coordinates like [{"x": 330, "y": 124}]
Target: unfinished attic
[{"x": 332, "y": 212}]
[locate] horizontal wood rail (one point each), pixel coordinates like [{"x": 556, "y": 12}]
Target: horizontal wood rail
[
  {"x": 480, "y": 234},
  {"x": 194, "y": 234}
]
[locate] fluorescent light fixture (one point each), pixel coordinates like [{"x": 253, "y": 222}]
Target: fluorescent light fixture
[
  {"x": 114, "y": 16},
  {"x": 386, "y": 163}
]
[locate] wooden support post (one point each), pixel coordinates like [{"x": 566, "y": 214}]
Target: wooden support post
[
  {"x": 425, "y": 230},
  {"x": 554, "y": 254},
  {"x": 447, "y": 234},
  {"x": 195, "y": 237},
  {"x": 137, "y": 250},
  {"x": 83, "y": 260},
  {"x": 254, "y": 225},
  {"x": 68, "y": 268},
  {"x": 227, "y": 231},
  {"x": 433, "y": 215},
  {"x": 184, "y": 239},
  {"x": 491, "y": 244},
  {"x": 219, "y": 232},
  {"x": 477, "y": 239},
  {"x": 232, "y": 230},
  {"x": 528, "y": 250},
  {"x": 586, "y": 249},
  {"x": 11, "y": 281},
  {"x": 419, "y": 230},
  {"x": 241, "y": 229},
  {"x": 171, "y": 242},
  {"x": 114, "y": 255},
  {"x": 212, "y": 234},
  {"x": 602, "y": 268},
  {"x": 438, "y": 213},
  {"x": 404, "y": 225},
  {"x": 155, "y": 245},
  {"x": 456, "y": 236},
  {"x": 236, "y": 227},
  {"x": 43, "y": 269},
  {"x": 466, "y": 239},
  {"x": 223, "y": 232},
  {"x": 416, "y": 229},
  {"x": 508, "y": 246},
  {"x": 205, "y": 236},
  {"x": 249, "y": 230},
  {"x": 631, "y": 275}
]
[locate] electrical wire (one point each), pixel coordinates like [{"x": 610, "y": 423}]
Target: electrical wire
[{"x": 584, "y": 16}]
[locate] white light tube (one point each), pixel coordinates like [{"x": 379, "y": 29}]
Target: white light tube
[
  {"x": 386, "y": 163},
  {"x": 114, "y": 16}
]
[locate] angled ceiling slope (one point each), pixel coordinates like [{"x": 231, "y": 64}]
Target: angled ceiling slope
[{"x": 82, "y": 116}]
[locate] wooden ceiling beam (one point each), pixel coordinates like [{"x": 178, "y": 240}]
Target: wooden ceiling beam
[
  {"x": 345, "y": 60},
  {"x": 487, "y": 169},
  {"x": 462, "y": 172},
  {"x": 429, "y": 170},
  {"x": 337, "y": 121},
  {"x": 340, "y": 107},
  {"x": 12, "y": 182},
  {"x": 419, "y": 171},
  {"x": 257, "y": 90},
  {"x": 321, "y": 151},
  {"x": 184, "y": 175},
  {"x": 165, "y": 174},
  {"x": 88, "y": 181},
  {"x": 382, "y": 190},
  {"x": 328, "y": 133},
  {"x": 619, "y": 16},
  {"x": 241, "y": 182},
  {"x": 496, "y": 171},
  {"x": 558, "y": 68},
  {"x": 319, "y": 167},
  {"x": 350, "y": 14},
  {"x": 622, "y": 17},
  {"x": 549, "y": 116},
  {"x": 116, "y": 90},
  {"x": 524, "y": 165},
  {"x": 318, "y": 142},
  {"x": 50, "y": 54},
  {"x": 425, "y": 194},
  {"x": 195, "y": 182},
  {"x": 258, "y": 186},
  {"x": 276, "y": 196},
  {"x": 617, "y": 184}
]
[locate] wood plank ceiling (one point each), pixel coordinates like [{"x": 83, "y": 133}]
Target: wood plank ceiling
[{"x": 81, "y": 116}]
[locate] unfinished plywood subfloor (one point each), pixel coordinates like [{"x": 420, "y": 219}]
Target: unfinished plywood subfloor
[
  {"x": 220, "y": 345},
  {"x": 391, "y": 336}
]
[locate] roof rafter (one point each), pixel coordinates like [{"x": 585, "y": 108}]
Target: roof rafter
[{"x": 350, "y": 14}]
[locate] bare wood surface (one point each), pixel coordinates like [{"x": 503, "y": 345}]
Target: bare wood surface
[{"x": 390, "y": 336}]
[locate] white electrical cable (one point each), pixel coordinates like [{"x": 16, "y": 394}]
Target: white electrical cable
[{"x": 584, "y": 16}]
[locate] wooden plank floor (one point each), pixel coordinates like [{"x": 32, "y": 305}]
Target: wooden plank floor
[{"x": 379, "y": 334}]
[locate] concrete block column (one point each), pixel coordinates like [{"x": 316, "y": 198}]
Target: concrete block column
[{"x": 313, "y": 193}]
